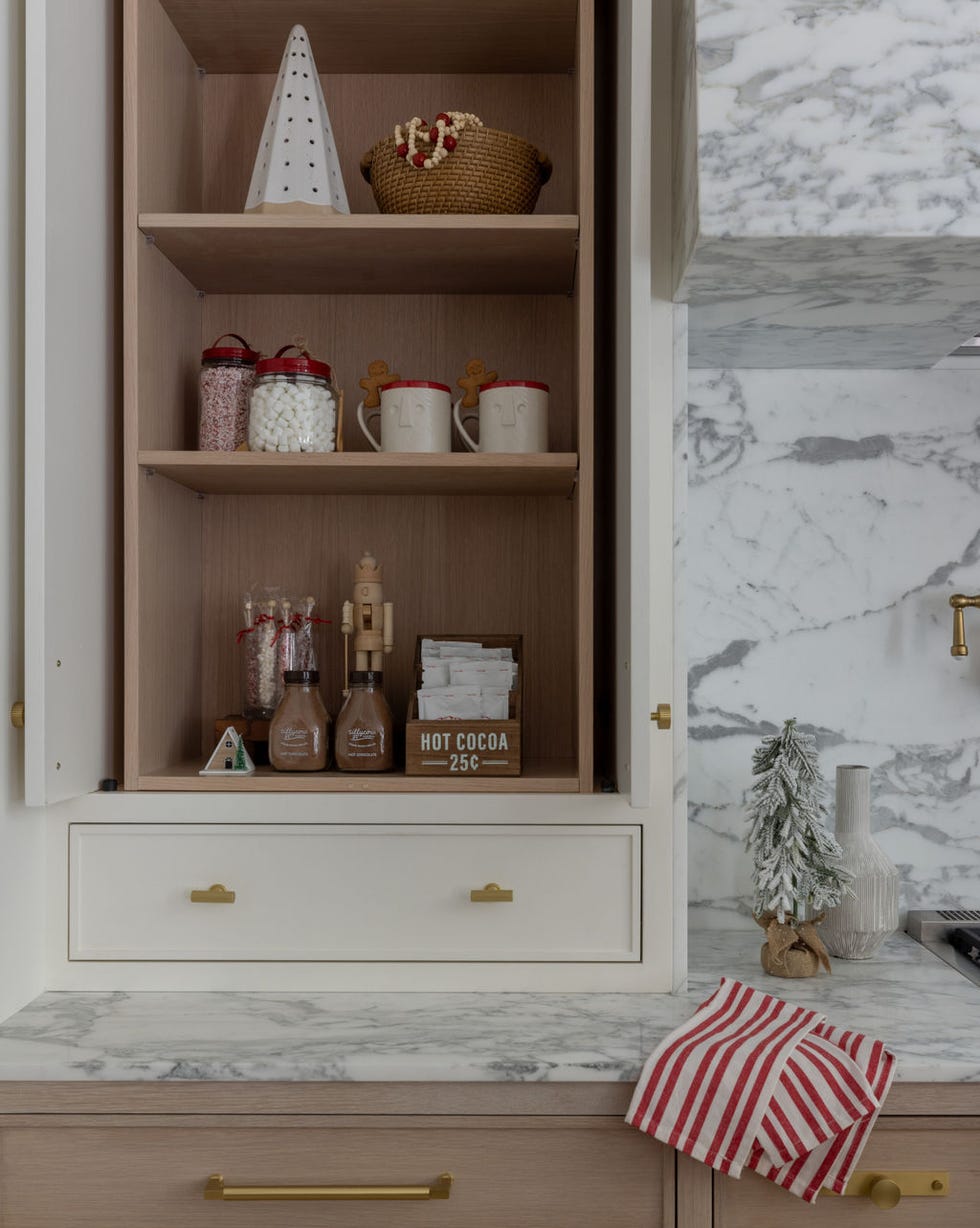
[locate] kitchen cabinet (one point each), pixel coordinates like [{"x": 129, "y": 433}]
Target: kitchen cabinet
[
  {"x": 423, "y": 292},
  {"x": 138, "y": 546},
  {"x": 341, "y": 892},
  {"x": 528, "y": 1153},
  {"x": 519, "y": 1171},
  {"x": 546, "y": 1165},
  {"x": 929, "y": 1130},
  {"x": 898, "y": 1145}
]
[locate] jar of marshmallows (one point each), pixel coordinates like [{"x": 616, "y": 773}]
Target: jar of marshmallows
[{"x": 293, "y": 405}]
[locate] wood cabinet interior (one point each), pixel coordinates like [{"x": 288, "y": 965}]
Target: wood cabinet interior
[
  {"x": 514, "y": 557},
  {"x": 382, "y": 36}
]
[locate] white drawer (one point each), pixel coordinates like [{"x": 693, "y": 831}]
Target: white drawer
[{"x": 381, "y": 892}]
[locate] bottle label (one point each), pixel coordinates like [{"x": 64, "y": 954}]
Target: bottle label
[
  {"x": 294, "y": 744},
  {"x": 363, "y": 743}
]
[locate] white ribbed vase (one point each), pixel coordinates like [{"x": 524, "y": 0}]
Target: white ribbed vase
[{"x": 858, "y": 926}]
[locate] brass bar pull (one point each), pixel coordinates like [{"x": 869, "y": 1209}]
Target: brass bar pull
[
  {"x": 217, "y": 893},
  {"x": 492, "y": 893},
  {"x": 216, "y": 1189},
  {"x": 886, "y": 1190}
]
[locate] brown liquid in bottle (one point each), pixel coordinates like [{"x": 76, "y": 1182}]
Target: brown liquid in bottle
[
  {"x": 364, "y": 726},
  {"x": 298, "y": 734}
]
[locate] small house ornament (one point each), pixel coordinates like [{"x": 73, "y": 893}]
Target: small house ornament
[
  {"x": 297, "y": 169},
  {"x": 229, "y": 757}
]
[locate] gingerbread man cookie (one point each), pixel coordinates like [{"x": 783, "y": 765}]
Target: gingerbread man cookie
[
  {"x": 476, "y": 376},
  {"x": 378, "y": 377}
]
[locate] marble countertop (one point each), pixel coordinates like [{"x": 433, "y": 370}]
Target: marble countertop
[{"x": 928, "y": 1015}]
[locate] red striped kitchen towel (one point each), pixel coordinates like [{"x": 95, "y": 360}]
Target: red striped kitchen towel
[{"x": 753, "y": 1081}]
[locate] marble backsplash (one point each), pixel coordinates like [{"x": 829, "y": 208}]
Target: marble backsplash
[{"x": 831, "y": 514}]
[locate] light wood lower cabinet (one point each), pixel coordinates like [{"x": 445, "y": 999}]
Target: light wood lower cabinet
[
  {"x": 932, "y": 1129},
  {"x": 102, "y": 1155},
  {"x": 145, "y": 1169},
  {"x": 536, "y": 1172},
  {"x": 897, "y": 1145}
]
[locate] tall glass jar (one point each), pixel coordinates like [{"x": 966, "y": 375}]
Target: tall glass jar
[
  {"x": 224, "y": 390},
  {"x": 259, "y": 639},
  {"x": 299, "y": 733},
  {"x": 363, "y": 741},
  {"x": 294, "y": 405}
]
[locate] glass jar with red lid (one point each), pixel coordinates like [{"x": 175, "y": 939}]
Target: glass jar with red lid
[
  {"x": 294, "y": 405},
  {"x": 225, "y": 386}
]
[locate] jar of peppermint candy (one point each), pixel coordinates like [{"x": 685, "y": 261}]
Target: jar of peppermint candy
[{"x": 225, "y": 386}]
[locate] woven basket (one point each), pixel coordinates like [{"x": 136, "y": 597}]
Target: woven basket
[{"x": 488, "y": 172}]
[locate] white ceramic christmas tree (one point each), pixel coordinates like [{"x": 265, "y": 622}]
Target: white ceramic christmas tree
[{"x": 297, "y": 169}]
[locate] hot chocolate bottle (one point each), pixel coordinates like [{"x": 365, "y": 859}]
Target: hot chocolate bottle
[
  {"x": 298, "y": 734},
  {"x": 363, "y": 740}
]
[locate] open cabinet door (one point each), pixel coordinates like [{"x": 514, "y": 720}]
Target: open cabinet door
[
  {"x": 651, "y": 369},
  {"x": 71, "y": 394},
  {"x": 22, "y": 837}
]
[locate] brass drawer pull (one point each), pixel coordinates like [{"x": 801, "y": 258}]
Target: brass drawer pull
[
  {"x": 887, "y": 1189},
  {"x": 492, "y": 893},
  {"x": 216, "y": 1188},
  {"x": 217, "y": 893}
]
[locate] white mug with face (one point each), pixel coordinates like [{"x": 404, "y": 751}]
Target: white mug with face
[
  {"x": 513, "y": 416},
  {"x": 416, "y": 416}
]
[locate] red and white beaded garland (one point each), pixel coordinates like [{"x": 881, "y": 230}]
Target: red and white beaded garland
[{"x": 442, "y": 138}]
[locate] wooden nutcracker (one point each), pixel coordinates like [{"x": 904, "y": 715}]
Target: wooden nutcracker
[{"x": 369, "y": 618}]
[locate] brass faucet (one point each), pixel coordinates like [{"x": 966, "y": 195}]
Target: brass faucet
[{"x": 959, "y": 602}]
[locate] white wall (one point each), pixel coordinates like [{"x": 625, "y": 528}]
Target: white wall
[{"x": 21, "y": 830}]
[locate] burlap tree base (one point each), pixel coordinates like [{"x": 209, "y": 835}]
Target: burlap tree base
[{"x": 792, "y": 949}]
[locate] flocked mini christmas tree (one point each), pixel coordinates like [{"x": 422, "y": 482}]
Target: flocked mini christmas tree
[
  {"x": 297, "y": 169},
  {"x": 797, "y": 861}
]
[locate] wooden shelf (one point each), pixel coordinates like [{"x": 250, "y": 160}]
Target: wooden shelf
[
  {"x": 363, "y": 253},
  {"x": 378, "y": 36},
  {"x": 367, "y": 473},
  {"x": 545, "y": 776}
]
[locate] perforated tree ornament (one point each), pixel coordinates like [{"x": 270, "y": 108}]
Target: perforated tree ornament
[{"x": 297, "y": 169}]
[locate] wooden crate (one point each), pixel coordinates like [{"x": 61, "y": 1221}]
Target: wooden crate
[{"x": 466, "y": 748}]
